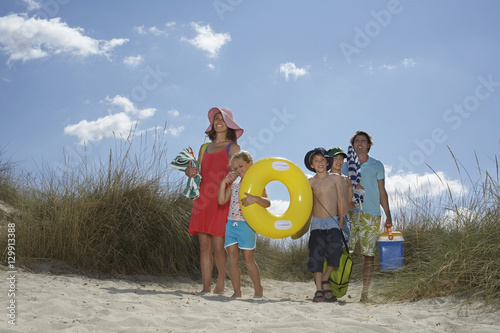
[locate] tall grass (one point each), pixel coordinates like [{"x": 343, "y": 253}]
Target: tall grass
[
  {"x": 283, "y": 260},
  {"x": 452, "y": 246},
  {"x": 120, "y": 216},
  {"x": 8, "y": 190}
]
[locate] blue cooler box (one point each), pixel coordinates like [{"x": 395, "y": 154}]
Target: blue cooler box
[{"x": 391, "y": 251}]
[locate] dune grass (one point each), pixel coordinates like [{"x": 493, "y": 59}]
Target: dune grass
[
  {"x": 126, "y": 215},
  {"x": 283, "y": 260},
  {"x": 451, "y": 247},
  {"x": 119, "y": 216},
  {"x": 8, "y": 191}
]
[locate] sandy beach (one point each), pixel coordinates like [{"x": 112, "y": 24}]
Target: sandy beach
[{"x": 73, "y": 303}]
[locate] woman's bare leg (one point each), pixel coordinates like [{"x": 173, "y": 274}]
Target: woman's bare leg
[
  {"x": 206, "y": 261},
  {"x": 220, "y": 257}
]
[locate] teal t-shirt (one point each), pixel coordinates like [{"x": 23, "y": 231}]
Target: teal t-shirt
[{"x": 371, "y": 172}]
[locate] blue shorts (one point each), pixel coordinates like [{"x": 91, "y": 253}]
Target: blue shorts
[
  {"x": 239, "y": 232},
  {"x": 324, "y": 223}
]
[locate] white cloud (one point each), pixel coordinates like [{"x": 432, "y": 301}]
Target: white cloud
[
  {"x": 459, "y": 218},
  {"x": 278, "y": 207},
  {"x": 325, "y": 62},
  {"x": 211, "y": 66},
  {"x": 173, "y": 113},
  {"x": 142, "y": 30},
  {"x": 133, "y": 62},
  {"x": 26, "y": 39},
  {"x": 122, "y": 102},
  {"x": 408, "y": 62},
  {"x": 157, "y": 32},
  {"x": 369, "y": 67},
  {"x": 289, "y": 69},
  {"x": 119, "y": 123},
  {"x": 129, "y": 107},
  {"x": 108, "y": 46},
  {"x": 207, "y": 40},
  {"x": 32, "y": 4},
  {"x": 402, "y": 186},
  {"x": 147, "y": 113},
  {"x": 174, "y": 130},
  {"x": 389, "y": 67},
  {"x": 104, "y": 127}
]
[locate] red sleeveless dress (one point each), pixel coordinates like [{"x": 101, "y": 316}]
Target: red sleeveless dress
[{"x": 207, "y": 215}]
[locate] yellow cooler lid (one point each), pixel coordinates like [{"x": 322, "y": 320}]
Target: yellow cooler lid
[{"x": 384, "y": 237}]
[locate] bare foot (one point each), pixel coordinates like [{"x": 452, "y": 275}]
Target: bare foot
[
  {"x": 219, "y": 288},
  {"x": 258, "y": 292},
  {"x": 236, "y": 294}
]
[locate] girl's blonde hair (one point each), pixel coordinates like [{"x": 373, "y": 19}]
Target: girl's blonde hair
[{"x": 244, "y": 155}]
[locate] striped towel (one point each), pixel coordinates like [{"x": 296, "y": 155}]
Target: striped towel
[
  {"x": 346, "y": 230},
  {"x": 181, "y": 162},
  {"x": 355, "y": 175}
]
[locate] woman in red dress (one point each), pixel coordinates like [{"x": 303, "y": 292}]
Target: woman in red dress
[{"x": 208, "y": 218}]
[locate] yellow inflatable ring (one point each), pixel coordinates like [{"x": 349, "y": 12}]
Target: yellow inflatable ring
[{"x": 295, "y": 217}]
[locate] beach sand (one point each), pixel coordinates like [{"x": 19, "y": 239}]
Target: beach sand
[{"x": 46, "y": 302}]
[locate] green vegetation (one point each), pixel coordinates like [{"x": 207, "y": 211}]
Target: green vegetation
[
  {"x": 127, "y": 216},
  {"x": 7, "y": 183},
  {"x": 118, "y": 217},
  {"x": 455, "y": 255}
]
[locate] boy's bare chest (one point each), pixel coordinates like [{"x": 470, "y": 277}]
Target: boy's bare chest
[{"x": 323, "y": 185}]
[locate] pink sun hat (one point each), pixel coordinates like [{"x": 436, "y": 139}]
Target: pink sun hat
[{"x": 227, "y": 115}]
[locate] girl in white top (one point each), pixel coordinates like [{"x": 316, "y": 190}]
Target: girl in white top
[{"x": 239, "y": 235}]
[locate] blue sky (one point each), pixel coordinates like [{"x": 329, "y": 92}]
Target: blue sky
[{"x": 419, "y": 76}]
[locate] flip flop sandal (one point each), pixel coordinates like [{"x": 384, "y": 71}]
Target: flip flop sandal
[{"x": 318, "y": 296}]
